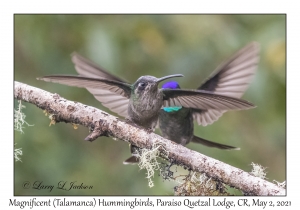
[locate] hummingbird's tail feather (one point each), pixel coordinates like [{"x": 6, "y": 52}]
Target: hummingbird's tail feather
[
  {"x": 207, "y": 143},
  {"x": 132, "y": 160}
]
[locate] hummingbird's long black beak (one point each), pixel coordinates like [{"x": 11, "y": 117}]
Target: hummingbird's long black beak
[{"x": 168, "y": 77}]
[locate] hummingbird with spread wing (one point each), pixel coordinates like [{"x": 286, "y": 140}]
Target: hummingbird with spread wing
[
  {"x": 141, "y": 101},
  {"x": 231, "y": 78}
]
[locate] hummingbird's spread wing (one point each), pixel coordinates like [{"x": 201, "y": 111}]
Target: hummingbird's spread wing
[
  {"x": 204, "y": 100},
  {"x": 206, "y": 117},
  {"x": 114, "y": 101},
  {"x": 231, "y": 78},
  {"x": 115, "y": 95},
  {"x": 87, "y": 68}
]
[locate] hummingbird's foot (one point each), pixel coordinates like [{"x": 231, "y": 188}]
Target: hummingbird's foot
[
  {"x": 148, "y": 130},
  {"x": 132, "y": 123}
]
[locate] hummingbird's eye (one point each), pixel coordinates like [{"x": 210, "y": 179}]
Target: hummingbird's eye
[{"x": 142, "y": 85}]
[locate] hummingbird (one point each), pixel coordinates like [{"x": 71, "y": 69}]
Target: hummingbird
[
  {"x": 176, "y": 123},
  {"x": 141, "y": 101},
  {"x": 231, "y": 78}
]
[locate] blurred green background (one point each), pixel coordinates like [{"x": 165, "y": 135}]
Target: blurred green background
[{"x": 130, "y": 46}]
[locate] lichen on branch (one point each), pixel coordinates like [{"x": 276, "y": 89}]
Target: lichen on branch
[{"x": 63, "y": 110}]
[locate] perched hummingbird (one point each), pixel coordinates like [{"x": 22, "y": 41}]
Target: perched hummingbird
[
  {"x": 176, "y": 123},
  {"x": 231, "y": 78},
  {"x": 142, "y": 101}
]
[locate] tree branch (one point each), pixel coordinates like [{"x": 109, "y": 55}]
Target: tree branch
[{"x": 102, "y": 123}]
